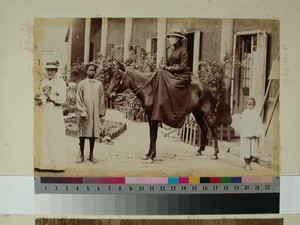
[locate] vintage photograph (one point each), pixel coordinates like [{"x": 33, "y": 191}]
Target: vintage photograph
[
  {"x": 156, "y": 97},
  {"x": 250, "y": 221}
]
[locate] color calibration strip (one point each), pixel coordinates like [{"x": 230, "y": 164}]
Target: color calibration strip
[{"x": 156, "y": 185}]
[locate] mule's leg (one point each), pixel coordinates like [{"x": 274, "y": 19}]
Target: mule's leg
[
  {"x": 204, "y": 129},
  {"x": 150, "y": 149},
  {"x": 215, "y": 137},
  {"x": 153, "y": 125},
  {"x": 211, "y": 123},
  {"x": 153, "y": 138},
  {"x": 206, "y": 120}
]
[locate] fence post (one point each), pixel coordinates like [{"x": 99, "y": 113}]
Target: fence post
[
  {"x": 199, "y": 136},
  {"x": 187, "y": 133},
  {"x": 228, "y": 132},
  {"x": 194, "y": 134},
  {"x": 191, "y": 133}
]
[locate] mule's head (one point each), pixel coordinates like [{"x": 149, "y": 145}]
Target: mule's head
[{"x": 117, "y": 84}]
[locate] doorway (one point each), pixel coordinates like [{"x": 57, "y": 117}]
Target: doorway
[{"x": 249, "y": 78}]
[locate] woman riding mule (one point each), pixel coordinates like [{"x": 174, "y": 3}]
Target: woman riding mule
[
  {"x": 169, "y": 94},
  {"x": 171, "y": 84}
]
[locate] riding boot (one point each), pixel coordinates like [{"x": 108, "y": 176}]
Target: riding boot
[
  {"x": 92, "y": 144},
  {"x": 81, "y": 145}
]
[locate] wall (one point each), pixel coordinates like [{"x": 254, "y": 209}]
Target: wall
[
  {"x": 210, "y": 31},
  {"x": 96, "y": 25},
  {"x": 116, "y": 32},
  {"x": 78, "y": 40},
  {"x": 142, "y": 29}
]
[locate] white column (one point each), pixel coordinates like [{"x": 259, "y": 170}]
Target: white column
[
  {"x": 148, "y": 45},
  {"x": 227, "y": 47},
  {"x": 128, "y": 34},
  {"x": 196, "y": 55},
  {"x": 161, "y": 39},
  {"x": 104, "y": 33},
  {"x": 69, "y": 62},
  {"x": 87, "y": 40},
  {"x": 226, "y": 37}
]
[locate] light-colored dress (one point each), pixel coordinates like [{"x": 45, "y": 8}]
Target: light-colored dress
[
  {"x": 252, "y": 133},
  {"x": 50, "y": 144},
  {"x": 90, "y": 102}
]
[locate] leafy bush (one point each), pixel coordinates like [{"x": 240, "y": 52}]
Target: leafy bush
[{"x": 213, "y": 74}]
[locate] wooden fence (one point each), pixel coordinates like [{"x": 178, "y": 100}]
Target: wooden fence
[{"x": 190, "y": 133}]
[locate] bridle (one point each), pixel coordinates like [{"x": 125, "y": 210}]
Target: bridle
[
  {"x": 136, "y": 91},
  {"x": 121, "y": 80}
]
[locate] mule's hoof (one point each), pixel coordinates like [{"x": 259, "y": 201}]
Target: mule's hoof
[
  {"x": 214, "y": 157},
  {"x": 145, "y": 157},
  {"x": 150, "y": 161},
  {"x": 199, "y": 153}
]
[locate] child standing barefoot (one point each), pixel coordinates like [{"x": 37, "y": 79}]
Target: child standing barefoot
[
  {"x": 91, "y": 107},
  {"x": 252, "y": 133}
]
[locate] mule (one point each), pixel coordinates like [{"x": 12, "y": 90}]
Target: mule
[{"x": 202, "y": 105}]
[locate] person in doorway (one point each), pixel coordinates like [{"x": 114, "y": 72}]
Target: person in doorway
[
  {"x": 91, "y": 110},
  {"x": 50, "y": 146},
  {"x": 171, "y": 83},
  {"x": 252, "y": 133}
]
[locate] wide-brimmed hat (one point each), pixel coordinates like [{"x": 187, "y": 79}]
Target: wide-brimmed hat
[
  {"x": 52, "y": 65},
  {"x": 91, "y": 64},
  {"x": 175, "y": 33}
]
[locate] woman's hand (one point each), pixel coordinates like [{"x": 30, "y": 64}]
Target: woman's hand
[
  {"x": 38, "y": 101},
  {"x": 85, "y": 117},
  {"x": 56, "y": 103}
]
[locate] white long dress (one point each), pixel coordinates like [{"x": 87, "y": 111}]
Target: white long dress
[
  {"x": 50, "y": 145},
  {"x": 251, "y": 126}
]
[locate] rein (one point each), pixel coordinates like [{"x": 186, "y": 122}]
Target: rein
[
  {"x": 143, "y": 85},
  {"x": 136, "y": 91}
]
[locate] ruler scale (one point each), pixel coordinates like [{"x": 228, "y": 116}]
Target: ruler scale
[{"x": 157, "y": 185}]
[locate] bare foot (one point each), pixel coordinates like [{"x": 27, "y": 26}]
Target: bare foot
[
  {"x": 145, "y": 157},
  {"x": 150, "y": 161},
  {"x": 80, "y": 160},
  {"x": 92, "y": 159},
  {"x": 199, "y": 153}
]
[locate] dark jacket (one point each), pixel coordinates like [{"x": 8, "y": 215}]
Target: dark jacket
[{"x": 177, "y": 59}]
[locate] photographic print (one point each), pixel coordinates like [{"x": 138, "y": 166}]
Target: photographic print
[{"x": 156, "y": 97}]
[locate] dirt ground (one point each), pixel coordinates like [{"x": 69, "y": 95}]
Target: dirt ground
[{"x": 174, "y": 158}]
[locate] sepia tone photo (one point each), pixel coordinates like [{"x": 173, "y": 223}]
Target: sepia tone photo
[
  {"x": 273, "y": 221},
  {"x": 156, "y": 97}
]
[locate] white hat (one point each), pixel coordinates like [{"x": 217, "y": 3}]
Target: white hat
[
  {"x": 175, "y": 33},
  {"x": 52, "y": 65}
]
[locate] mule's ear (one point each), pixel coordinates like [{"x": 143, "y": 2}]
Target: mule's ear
[{"x": 121, "y": 66}]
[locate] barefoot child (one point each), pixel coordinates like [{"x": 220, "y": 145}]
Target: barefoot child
[
  {"x": 252, "y": 133},
  {"x": 91, "y": 107}
]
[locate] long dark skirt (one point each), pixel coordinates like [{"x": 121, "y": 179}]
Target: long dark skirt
[{"x": 171, "y": 97}]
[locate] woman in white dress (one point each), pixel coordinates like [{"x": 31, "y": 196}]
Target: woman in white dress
[{"x": 50, "y": 146}]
